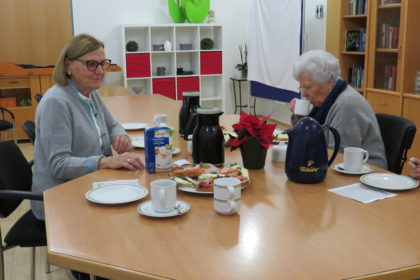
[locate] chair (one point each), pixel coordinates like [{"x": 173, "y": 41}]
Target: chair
[
  {"x": 38, "y": 97},
  {"x": 15, "y": 186},
  {"x": 113, "y": 91},
  {"x": 398, "y": 135},
  {"x": 29, "y": 128},
  {"x": 6, "y": 125}
]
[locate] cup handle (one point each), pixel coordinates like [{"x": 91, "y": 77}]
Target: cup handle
[
  {"x": 232, "y": 206},
  {"x": 162, "y": 196},
  {"x": 366, "y": 157},
  {"x": 231, "y": 191}
]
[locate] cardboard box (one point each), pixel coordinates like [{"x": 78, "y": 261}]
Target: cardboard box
[{"x": 158, "y": 149}]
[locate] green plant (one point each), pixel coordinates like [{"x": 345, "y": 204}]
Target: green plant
[
  {"x": 243, "y": 66},
  {"x": 132, "y": 46},
  {"x": 206, "y": 44},
  {"x": 195, "y": 11}
]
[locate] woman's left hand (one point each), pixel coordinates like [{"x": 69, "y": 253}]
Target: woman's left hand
[{"x": 122, "y": 143}]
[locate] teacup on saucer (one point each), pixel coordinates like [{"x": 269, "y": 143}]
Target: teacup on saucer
[{"x": 340, "y": 168}]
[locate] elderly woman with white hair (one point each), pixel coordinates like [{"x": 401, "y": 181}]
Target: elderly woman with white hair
[{"x": 337, "y": 104}]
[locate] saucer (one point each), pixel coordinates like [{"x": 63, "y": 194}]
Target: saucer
[
  {"x": 339, "y": 168},
  {"x": 146, "y": 208}
]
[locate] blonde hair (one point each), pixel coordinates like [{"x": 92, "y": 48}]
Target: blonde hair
[{"x": 76, "y": 47}]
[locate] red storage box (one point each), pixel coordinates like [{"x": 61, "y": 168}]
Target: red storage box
[
  {"x": 187, "y": 84},
  {"x": 138, "y": 65},
  {"x": 164, "y": 86},
  {"x": 211, "y": 63}
]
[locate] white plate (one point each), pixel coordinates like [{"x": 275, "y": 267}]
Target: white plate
[
  {"x": 137, "y": 142},
  {"x": 116, "y": 194},
  {"x": 193, "y": 190},
  {"x": 175, "y": 150},
  {"x": 146, "y": 208},
  {"x": 134, "y": 126},
  {"x": 340, "y": 168},
  {"x": 388, "y": 181}
]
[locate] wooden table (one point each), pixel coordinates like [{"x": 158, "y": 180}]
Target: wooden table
[{"x": 284, "y": 230}]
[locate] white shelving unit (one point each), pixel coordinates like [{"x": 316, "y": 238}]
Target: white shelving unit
[{"x": 140, "y": 67}]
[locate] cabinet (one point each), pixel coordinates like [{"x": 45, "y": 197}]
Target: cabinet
[
  {"x": 184, "y": 67},
  {"x": 19, "y": 93},
  {"x": 391, "y": 57}
]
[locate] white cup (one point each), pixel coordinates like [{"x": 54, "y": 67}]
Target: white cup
[
  {"x": 160, "y": 119},
  {"x": 227, "y": 195},
  {"x": 278, "y": 152},
  {"x": 302, "y": 107},
  {"x": 354, "y": 158},
  {"x": 189, "y": 144},
  {"x": 227, "y": 206},
  {"x": 163, "y": 195}
]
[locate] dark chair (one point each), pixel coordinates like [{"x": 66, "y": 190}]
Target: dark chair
[
  {"x": 38, "y": 97},
  {"x": 7, "y": 124},
  {"x": 398, "y": 135},
  {"x": 29, "y": 128},
  {"x": 15, "y": 186}
]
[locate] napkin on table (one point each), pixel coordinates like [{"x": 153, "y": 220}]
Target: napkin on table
[
  {"x": 362, "y": 193},
  {"x": 116, "y": 182}
]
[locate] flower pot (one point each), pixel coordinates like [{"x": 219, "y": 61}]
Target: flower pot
[
  {"x": 244, "y": 73},
  {"x": 253, "y": 154}
]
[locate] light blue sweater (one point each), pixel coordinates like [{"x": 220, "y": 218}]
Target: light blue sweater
[{"x": 67, "y": 143}]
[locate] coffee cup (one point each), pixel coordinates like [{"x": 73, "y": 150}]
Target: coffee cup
[
  {"x": 163, "y": 195},
  {"x": 354, "y": 158},
  {"x": 227, "y": 195},
  {"x": 227, "y": 206},
  {"x": 302, "y": 107},
  {"x": 159, "y": 119}
]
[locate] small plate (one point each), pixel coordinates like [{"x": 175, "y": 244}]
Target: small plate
[
  {"x": 116, "y": 194},
  {"x": 137, "y": 142},
  {"x": 389, "y": 181},
  {"x": 340, "y": 168},
  {"x": 146, "y": 208},
  {"x": 175, "y": 150},
  {"x": 134, "y": 126}
]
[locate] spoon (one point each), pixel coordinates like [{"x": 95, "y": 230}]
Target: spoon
[{"x": 177, "y": 208}]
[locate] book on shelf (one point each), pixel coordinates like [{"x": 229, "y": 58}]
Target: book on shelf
[
  {"x": 390, "y": 76},
  {"x": 388, "y": 36},
  {"x": 386, "y": 2},
  {"x": 355, "y": 41},
  {"x": 357, "y": 7},
  {"x": 356, "y": 76}
]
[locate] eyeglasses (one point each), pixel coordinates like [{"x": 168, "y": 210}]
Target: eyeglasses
[{"x": 92, "y": 65}]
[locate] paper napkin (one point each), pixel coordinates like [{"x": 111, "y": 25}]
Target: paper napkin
[
  {"x": 362, "y": 193},
  {"x": 181, "y": 162},
  {"x": 116, "y": 182}
]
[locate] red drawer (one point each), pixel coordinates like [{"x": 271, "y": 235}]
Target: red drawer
[
  {"x": 164, "y": 86},
  {"x": 211, "y": 63},
  {"x": 187, "y": 84},
  {"x": 138, "y": 65}
]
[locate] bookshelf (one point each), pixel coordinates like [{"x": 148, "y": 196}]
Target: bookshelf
[
  {"x": 186, "y": 66},
  {"x": 391, "y": 57}
]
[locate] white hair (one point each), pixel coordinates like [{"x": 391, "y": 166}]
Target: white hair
[{"x": 320, "y": 65}]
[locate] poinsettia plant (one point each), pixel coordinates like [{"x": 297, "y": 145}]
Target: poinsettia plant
[{"x": 250, "y": 126}]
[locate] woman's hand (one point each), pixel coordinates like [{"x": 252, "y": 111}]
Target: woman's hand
[
  {"x": 129, "y": 161},
  {"x": 122, "y": 143},
  {"x": 292, "y": 105},
  {"x": 414, "y": 165}
]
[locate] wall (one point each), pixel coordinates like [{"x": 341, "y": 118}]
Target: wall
[{"x": 104, "y": 23}]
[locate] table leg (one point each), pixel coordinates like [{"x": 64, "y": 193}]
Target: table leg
[{"x": 234, "y": 95}]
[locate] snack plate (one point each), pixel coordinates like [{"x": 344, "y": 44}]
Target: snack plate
[{"x": 194, "y": 190}]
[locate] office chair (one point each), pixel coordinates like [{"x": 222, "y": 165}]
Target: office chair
[
  {"x": 398, "y": 135},
  {"x": 38, "y": 97},
  {"x": 6, "y": 125},
  {"x": 29, "y": 128},
  {"x": 15, "y": 186}
]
